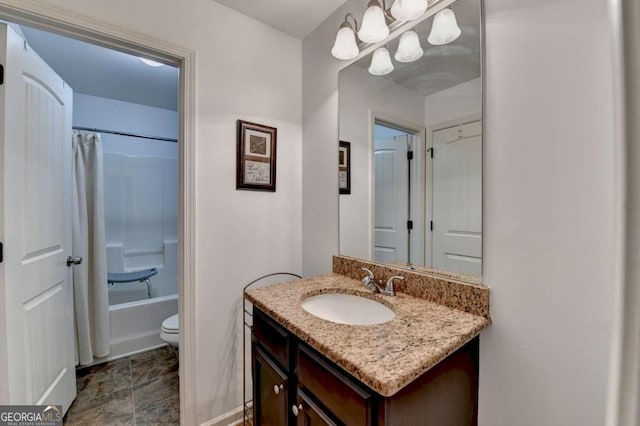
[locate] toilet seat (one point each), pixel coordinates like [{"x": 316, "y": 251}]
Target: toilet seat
[
  {"x": 171, "y": 324},
  {"x": 170, "y": 330}
]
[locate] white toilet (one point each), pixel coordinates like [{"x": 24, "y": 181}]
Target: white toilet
[{"x": 170, "y": 330}]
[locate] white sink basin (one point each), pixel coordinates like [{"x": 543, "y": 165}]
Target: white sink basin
[{"x": 347, "y": 309}]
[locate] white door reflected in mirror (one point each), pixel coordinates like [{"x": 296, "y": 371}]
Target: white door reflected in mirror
[
  {"x": 391, "y": 187},
  {"x": 457, "y": 198}
]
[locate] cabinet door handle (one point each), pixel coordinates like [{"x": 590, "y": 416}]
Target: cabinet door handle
[
  {"x": 277, "y": 389},
  {"x": 297, "y": 409}
]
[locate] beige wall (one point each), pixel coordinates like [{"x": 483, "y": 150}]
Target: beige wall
[
  {"x": 247, "y": 70},
  {"x": 549, "y": 204},
  {"x": 549, "y": 212}
]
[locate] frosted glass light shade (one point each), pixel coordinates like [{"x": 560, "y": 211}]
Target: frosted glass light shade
[
  {"x": 408, "y": 10},
  {"x": 445, "y": 28},
  {"x": 409, "y": 48},
  {"x": 374, "y": 26},
  {"x": 345, "y": 47},
  {"x": 380, "y": 62}
]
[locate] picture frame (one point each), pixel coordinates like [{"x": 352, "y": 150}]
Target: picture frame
[
  {"x": 344, "y": 167},
  {"x": 256, "y": 157}
]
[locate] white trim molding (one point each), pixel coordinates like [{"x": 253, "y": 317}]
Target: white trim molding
[
  {"x": 47, "y": 17},
  {"x": 624, "y": 371},
  {"x": 230, "y": 418}
]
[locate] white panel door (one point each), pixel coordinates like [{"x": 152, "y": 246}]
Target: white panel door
[
  {"x": 391, "y": 238},
  {"x": 36, "y": 227},
  {"x": 457, "y": 199}
]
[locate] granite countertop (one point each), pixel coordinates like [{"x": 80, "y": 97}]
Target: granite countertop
[{"x": 386, "y": 357}]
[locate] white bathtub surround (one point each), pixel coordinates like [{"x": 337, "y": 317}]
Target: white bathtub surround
[
  {"x": 141, "y": 193},
  {"x": 165, "y": 283},
  {"x": 90, "y": 294},
  {"x": 135, "y": 326},
  {"x": 141, "y": 221}
]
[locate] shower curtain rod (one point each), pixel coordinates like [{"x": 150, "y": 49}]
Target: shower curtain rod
[{"x": 133, "y": 135}]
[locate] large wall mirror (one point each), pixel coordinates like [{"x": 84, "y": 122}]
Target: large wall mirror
[{"x": 415, "y": 137}]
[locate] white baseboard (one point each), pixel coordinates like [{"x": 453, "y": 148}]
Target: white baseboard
[{"x": 230, "y": 418}]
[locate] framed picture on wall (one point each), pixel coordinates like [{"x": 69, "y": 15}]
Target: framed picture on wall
[
  {"x": 344, "y": 167},
  {"x": 256, "y": 157}
]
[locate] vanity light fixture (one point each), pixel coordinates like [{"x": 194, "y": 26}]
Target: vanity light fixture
[
  {"x": 380, "y": 62},
  {"x": 346, "y": 46},
  {"x": 374, "y": 24},
  {"x": 151, "y": 63},
  {"x": 408, "y": 10},
  {"x": 445, "y": 28},
  {"x": 409, "y": 48}
]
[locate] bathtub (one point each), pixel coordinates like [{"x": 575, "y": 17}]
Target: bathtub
[{"x": 135, "y": 326}]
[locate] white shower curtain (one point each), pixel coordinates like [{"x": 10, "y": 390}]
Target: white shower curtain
[{"x": 91, "y": 299}]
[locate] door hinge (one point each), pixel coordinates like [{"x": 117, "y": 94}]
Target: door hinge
[
  {"x": 1, "y": 75},
  {"x": 409, "y": 224},
  {"x": 431, "y": 225},
  {"x": 409, "y": 155},
  {"x": 430, "y": 151},
  {"x": 1, "y": 252}
]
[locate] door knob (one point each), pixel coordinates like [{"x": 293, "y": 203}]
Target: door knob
[
  {"x": 277, "y": 389},
  {"x": 74, "y": 260},
  {"x": 297, "y": 409}
]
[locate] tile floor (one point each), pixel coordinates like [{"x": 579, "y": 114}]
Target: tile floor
[{"x": 138, "y": 390}]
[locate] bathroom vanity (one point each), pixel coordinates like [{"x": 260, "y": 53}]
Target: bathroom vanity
[{"x": 421, "y": 367}]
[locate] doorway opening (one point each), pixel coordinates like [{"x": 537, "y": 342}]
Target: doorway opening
[
  {"x": 127, "y": 41},
  {"x": 121, "y": 202}
]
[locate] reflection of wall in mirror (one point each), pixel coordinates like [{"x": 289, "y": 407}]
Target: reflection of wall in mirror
[
  {"x": 361, "y": 93},
  {"x": 457, "y": 102}
]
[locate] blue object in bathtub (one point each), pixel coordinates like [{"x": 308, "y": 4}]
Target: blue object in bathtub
[{"x": 131, "y": 277}]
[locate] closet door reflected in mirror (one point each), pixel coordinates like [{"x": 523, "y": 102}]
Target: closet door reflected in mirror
[{"x": 416, "y": 153}]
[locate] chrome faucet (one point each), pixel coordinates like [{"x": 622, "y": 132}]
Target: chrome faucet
[
  {"x": 389, "y": 290},
  {"x": 370, "y": 284}
]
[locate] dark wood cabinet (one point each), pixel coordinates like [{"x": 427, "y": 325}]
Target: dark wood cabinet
[
  {"x": 294, "y": 385},
  {"x": 308, "y": 413},
  {"x": 344, "y": 398},
  {"x": 270, "y": 391}
]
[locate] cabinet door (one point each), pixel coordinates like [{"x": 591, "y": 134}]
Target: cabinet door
[
  {"x": 270, "y": 390},
  {"x": 307, "y": 413},
  {"x": 342, "y": 397}
]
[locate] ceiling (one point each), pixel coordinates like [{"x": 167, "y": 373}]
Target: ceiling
[
  {"x": 445, "y": 66},
  {"x": 98, "y": 71},
  {"x": 294, "y": 17}
]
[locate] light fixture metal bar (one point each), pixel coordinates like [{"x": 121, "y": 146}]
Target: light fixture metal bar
[{"x": 355, "y": 21}]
